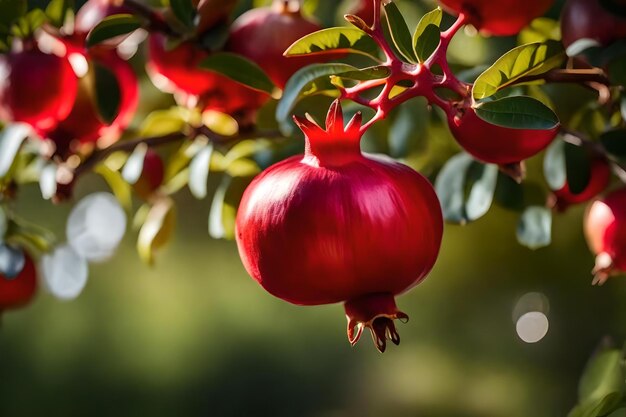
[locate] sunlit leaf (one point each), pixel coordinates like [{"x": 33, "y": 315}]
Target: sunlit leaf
[
  {"x": 111, "y": 27},
  {"x": 163, "y": 122},
  {"x": 427, "y": 34},
  {"x": 120, "y": 188},
  {"x": 335, "y": 40},
  {"x": 540, "y": 30},
  {"x": 482, "y": 192},
  {"x": 156, "y": 230},
  {"x": 134, "y": 164},
  {"x": 534, "y": 229},
  {"x": 602, "y": 376},
  {"x": 57, "y": 10},
  {"x": 11, "y": 139},
  {"x": 199, "y": 172},
  {"x": 554, "y": 167},
  {"x": 239, "y": 69},
  {"x": 399, "y": 32},
  {"x": 48, "y": 181}
]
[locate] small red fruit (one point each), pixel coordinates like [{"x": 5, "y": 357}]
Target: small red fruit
[
  {"x": 94, "y": 11},
  {"x": 151, "y": 176},
  {"x": 263, "y": 34},
  {"x": 36, "y": 88},
  {"x": 500, "y": 18},
  {"x": 495, "y": 144},
  {"x": 605, "y": 230},
  {"x": 589, "y": 19},
  {"x": 177, "y": 71},
  {"x": 336, "y": 225},
  {"x": 18, "y": 291},
  {"x": 599, "y": 178}
]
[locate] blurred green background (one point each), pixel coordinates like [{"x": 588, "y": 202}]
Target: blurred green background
[{"x": 195, "y": 336}]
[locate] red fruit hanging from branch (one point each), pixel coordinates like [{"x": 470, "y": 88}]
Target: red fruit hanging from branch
[
  {"x": 18, "y": 290},
  {"x": 605, "y": 230},
  {"x": 36, "y": 88},
  {"x": 589, "y": 19},
  {"x": 599, "y": 179},
  {"x": 500, "y": 18},
  {"x": 335, "y": 226}
]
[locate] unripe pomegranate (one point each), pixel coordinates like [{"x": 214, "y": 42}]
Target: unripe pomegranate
[
  {"x": 151, "y": 176},
  {"x": 599, "y": 178},
  {"x": 177, "y": 71},
  {"x": 18, "y": 291},
  {"x": 500, "y": 18},
  {"x": 589, "y": 19},
  {"x": 84, "y": 124},
  {"x": 495, "y": 144},
  {"x": 335, "y": 225},
  {"x": 36, "y": 88},
  {"x": 94, "y": 11},
  {"x": 263, "y": 34},
  {"x": 605, "y": 230}
]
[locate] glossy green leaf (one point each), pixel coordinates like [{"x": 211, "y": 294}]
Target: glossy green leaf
[
  {"x": 299, "y": 82},
  {"x": 450, "y": 187},
  {"x": 482, "y": 191},
  {"x": 598, "y": 407},
  {"x": 399, "y": 32},
  {"x": 578, "y": 166},
  {"x": 540, "y": 29},
  {"x": 11, "y": 139},
  {"x": 518, "y": 112},
  {"x": 509, "y": 194},
  {"x": 57, "y": 10},
  {"x": 534, "y": 229},
  {"x": 337, "y": 39},
  {"x": 427, "y": 34},
  {"x": 120, "y": 188},
  {"x": 112, "y": 26},
  {"x": 602, "y": 375},
  {"x": 369, "y": 73},
  {"x": 26, "y": 25},
  {"x": 614, "y": 141},
  {"x": 523, "y": 61},
  {"x": 199, "y": 172},
  {"x": 184, "y": 11},
  {"x": 239, "y": 69},
  {"x": 157, "y": 229},
  {"x": 163, "y": 122},
  {"x": 108, "y": 93},
  {"x": 554, "y": 166}
]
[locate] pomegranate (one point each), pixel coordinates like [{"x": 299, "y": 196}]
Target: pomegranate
[
  {"x": 212, "y": 12},
  {"x": 152, "y": 175},
  {"x": 176, "y": 71},
  {"x": 36, "y": 88},
  {"x": 501, "y": 18},
  {"x": 364, "y": 9},
  {"x": 92, "y": 13},
  {"x": 84, "y": 124},
  {"x": 605, "y": 230},
  {"x": 18, "y": 291},
  {"x": 495, "y": 144},
  {"x": 589, "y": 19},
  {"x": 263, "y": 34},
  {"x": 599, "y": 178},
  {"x": 335, "y": 225}
]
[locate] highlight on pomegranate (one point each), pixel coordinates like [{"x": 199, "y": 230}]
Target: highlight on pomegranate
[{"x": 200, "y": 200}]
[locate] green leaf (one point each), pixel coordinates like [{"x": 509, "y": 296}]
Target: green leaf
[
  {"x": 523, "y": 61},
  {"x": 48, "y": 181},
  {"x": 300, "y": 81},
  {"x": 223, "y": 212},
  {"x": 578, "y": 166},
  {"x": 134, "y": 164},
  {"x": 107, "y": 92},
  {"x": 4, "y": 223},
  {"x": 534, "y": 229},
  {"x": 157, "y": 230},
  {"x": 163, "y": 122},
  {"x": 426, "y": 37},
  {"x": 11, "y": 11},
  {"x": 598, "y": 407},
  {"x": 57, "y": 10},
  {"x": 618, "y": 413},
  {"x": 400, "y": 32},
  {"x": 509, "y": 194},
  {"x": 554, "y": 166},
  {"x": 370, "y": 73},
  {"x": 199, "y": 172},
  {"x": 11, "y": 139},
  {"x": 184, "y": 11},
  {"x": 337, "y": 39},
  {"x": 614, "y": 141},
  {"x": 408, "y": 130},
  {"x": 518, "y": 112},
  {"x": 482, "y": 192},
  {"x": 450, "y": 187},
  {"x": 112, "y": 26},
  {"x": 540, "y": 30},
  {"x": 602, "y": 376},
  {"x": 26, "y": 25},
  {"x": 239, "y": 69},
  {"x": 116, "y": 183}
]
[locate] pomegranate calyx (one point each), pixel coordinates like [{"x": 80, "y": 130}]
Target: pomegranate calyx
[
  {"x": 603, "y": 269},
  {"x": 336, "y": 144},
  {"x": 377, "y": 313}
]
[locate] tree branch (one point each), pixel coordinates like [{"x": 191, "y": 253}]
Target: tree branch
[{"x": 155, "y": 21}]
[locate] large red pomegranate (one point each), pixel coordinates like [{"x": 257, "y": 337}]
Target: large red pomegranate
[
  {"x": 18, "y": 291},
  {"x": 263, "y": 34},
  {"x": 84, "y": 124},
  {"x": 599, "y": 178},
  {"x": 335, "y": 225},
  {"x": 177, "y": 71},
  {"x": 36, "y": 88},
  {"x": 500, "y": 18},
  {"x": 605, "y": 230},
  {"x": 589, "y": 19},
  {"x": 495, "y": 144}
]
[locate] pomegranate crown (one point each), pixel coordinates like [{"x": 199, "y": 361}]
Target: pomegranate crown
[{"x": 335, "y": 129}]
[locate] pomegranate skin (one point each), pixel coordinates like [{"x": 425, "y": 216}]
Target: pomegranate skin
[
  {"x": 263, "y": 34},
  {"x": 605, "y": 230},
  {"x": 588, "y": 19},
  {"x": 495, "y": 144},
  {"x": 84, "y": 124},
  {"x": 335, "y": 225},
  {"x": 364, "y": 9},
  {"x": 152, "y": 175},
  {"x": 501, "y": 18},
  {"x": 600, "y": 176},
  {"x": 36, "y": 88},
  {"x": 177, "y": 71},
  {"x": 18, "y": 291}
]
